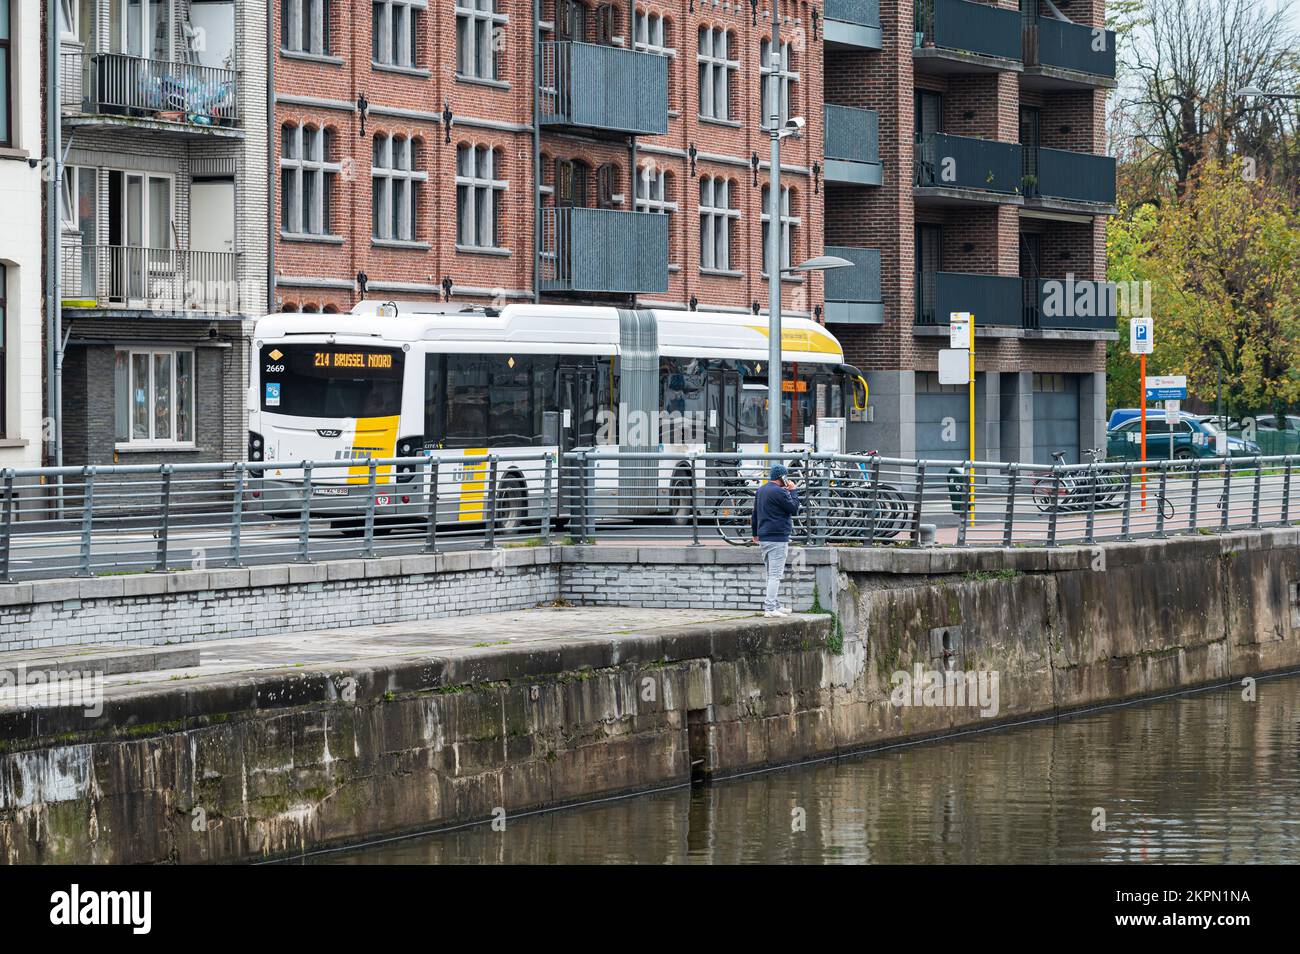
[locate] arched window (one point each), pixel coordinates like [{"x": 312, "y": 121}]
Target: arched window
[
  {"x": 717, "y": 72},
  {"x": 396, "y": 180},
  {"x": 307, "y": 177},
  {"x": 480, "y": 195}
]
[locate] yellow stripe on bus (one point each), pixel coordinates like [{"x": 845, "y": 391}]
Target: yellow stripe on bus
[
  {"x": 803, "y": 339},
  {"x": 375, "y": 437},
  {"x": 473, "y": 488}
]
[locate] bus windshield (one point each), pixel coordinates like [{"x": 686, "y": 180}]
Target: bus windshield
[{"x": 320, "y": 380}]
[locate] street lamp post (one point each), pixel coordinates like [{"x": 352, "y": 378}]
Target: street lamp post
[{"x": 1248, "y": 91}]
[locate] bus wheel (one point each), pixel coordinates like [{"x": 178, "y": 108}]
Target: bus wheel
[
  {"x": 679, "y": 503},
  {"x": 512, "y": 507}
]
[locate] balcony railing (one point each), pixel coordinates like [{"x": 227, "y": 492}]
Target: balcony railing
[
  {"x": 1056, "y": 44},
  {"x": 852, "y": 23},
  {"x": 167, "y": 281},
  {"x": 852, "y": 148},
  {"x": 603, "y": 251},
  {"x": 1072, "y": 176},
  {"x": 853, "y": 294},
  {"x": 1070, "y": 304},
  {"x": 964, "y": 27},
  {"x": 116, "y": 84},
  {"x": 992, "y": 299},
  {"x": 603, "y": 88},
  {"x": 960, "y": 162}
]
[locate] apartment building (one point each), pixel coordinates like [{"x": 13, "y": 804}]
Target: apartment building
[
  {"x": 162, "y": 224},
  {"x": 988, "y": 121},
  {"x": 495, "y": 151},
  {"x": 20, "y": 234}
]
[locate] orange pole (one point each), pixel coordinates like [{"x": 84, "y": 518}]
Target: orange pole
[{"x": 1142, "y": 395}]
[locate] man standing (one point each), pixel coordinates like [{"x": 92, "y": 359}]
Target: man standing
[{"x": 770, "y": 524}]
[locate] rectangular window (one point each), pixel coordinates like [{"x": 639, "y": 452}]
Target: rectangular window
[
  {"x": 717, "y": 213},
  {"x": 478, "y": 26},
  {"x": 306, "y": 180},
  {"x": 479, "y": 196},
  {"x": 493, "y": 400},
  {"x": 305, "y": 26},
  {"x": 717, "y": 69},
  {"x": 789, "y": 226},
  {"x": 786, "y": 79},
  {"x": 6, "y": 77},
  {"x": 396, "y": 181},
  {"x": 396, "y": 32},
  {"x": 4, "y": 347},
  {"x": 306, "y": 380},
  {"x": 154, "y": 397}
]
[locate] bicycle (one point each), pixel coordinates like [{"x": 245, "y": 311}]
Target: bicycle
[{"x": 1075, "y": 491}]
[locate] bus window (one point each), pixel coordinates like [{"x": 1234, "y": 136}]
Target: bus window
[
  {"x": 683, "y": 385},
  {"x": 318, "y": 380},
  {"x": 753, "y": 415},
  {"x": 796, "y": 409},
  {"x": 486, "y": 400}
]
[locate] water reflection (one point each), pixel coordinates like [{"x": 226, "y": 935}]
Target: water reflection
[{"x": 1200, "y": 778}]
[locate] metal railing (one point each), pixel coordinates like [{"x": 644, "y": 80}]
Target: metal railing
[
  {"x": 993, "y": 299},
  {"x": 961, "y": 25},
  {"x": 964, "y": 162},
  {"x": 860, "y": 12},
  {"x": 85, "y": 521},
  {"x": 1070, "y": 303},
  {"x": 595, "y": 86},
  {"x": 1074, "y": 176},
  {"x": 171, "y": 280},
  {"x": 852, "y": 134},
  {"x": 118, "y": 84},
  {"x": 603, "y": 250},
  {"x": 853, "y": 294},
  {"x": 1070, "y": 46}
]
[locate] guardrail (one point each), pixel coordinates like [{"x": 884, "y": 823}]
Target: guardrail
[
  {"x": 83, "y": 521},
  {"x": 115, "y": 83},
  {"x": 174, "y": 280}
]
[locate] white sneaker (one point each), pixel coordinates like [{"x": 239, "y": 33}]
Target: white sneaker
[
  {"x": 772, "y": 613},
  {"x": 783, "y": 611}
]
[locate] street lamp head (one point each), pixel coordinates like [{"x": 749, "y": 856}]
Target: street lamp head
[
  {"x": 1247, "y": 91},
  {"x": 820, "y": 264}
]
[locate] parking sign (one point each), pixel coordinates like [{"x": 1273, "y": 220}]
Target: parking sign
[{"x": 1141, "y": 336}]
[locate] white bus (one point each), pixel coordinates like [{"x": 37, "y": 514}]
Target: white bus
[{"x": 455, "y": 382}]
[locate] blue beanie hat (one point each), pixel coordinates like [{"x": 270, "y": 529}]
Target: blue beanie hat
[{"x": 777, "y": 472}]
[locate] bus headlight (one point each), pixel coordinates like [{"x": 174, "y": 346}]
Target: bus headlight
[
  {"x": 408, "y": 447},
  {"x": 256, "y": 446}
]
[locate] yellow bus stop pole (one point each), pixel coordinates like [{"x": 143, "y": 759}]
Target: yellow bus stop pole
[{"x": 971, "y": 506}]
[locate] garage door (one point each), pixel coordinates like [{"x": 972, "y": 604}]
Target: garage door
[
  {"x": 1056, "y": 417},
  {"x": 941, "y": 419}
]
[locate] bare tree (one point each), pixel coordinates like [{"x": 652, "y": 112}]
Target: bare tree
[{"x": 1183, "y": 63}]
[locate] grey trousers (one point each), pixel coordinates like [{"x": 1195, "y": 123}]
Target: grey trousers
[{"x": 774, "y": 555}]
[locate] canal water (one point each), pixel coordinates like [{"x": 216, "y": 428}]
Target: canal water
[{"x": 1207, "y": 777}]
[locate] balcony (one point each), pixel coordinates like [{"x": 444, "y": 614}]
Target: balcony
[
  {"x": 167, "y": 282},
  {"x": 959, "y": 36},
  {"x": 852, "y": 148},
  {"x": 603, "y": 89},
  {"x": 992, "y": 299},
  {"x": 603, "y": 251},
  {"x": 1070, "y": 181},
  {"x": 1060, "y": 55},
  {"x": 1070, "y": 305},
  {"x": 852, "y": 24},
  {"x": 159, "y": 94},
  {"x": 853, "y": 294},
  {"x": 960, "y": 170}
]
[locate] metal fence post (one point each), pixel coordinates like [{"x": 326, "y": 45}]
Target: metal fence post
[
  {"x": 431, "y": 509},
  {"x": 963, "y": 521},
  {"x": 874, "y": 502},
  {"x": 87, "y": 519},
  {"x": 237, "y": 514},
  {"x": 1013, "y": 471},
  {"x": 1259, "y": 486},
  {"x": 1090, "y": 523},
  {"x": 546, "y": 502},
  {"x": 7, "y": 526},
  {"x": 165, "y": 495},
  {"x": 368, "y": 536},
  {"x": 819, "y": 527},
  {"x": 695, "y": 502},
  {"x": 1056, "y": 506},
  {"x": 920, "y": 493},
  {"x": 1225, "y": 499},
  {"x": 491, "y": 540},
  {"x": 1286, "y": 493},
  {"x": 304, "y": 525},
  {"x": 1128, "y": 502},
  {"x": 1196, "y": 489},
  {"x": 588, "y": 498},
  {"x": 1161, "y": 498}
]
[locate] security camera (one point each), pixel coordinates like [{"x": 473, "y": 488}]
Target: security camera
[{"x": 796, "y": 123}]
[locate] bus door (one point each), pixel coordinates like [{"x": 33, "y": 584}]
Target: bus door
[
  {"x": 723, "y": 410},
  {"x": 574, "y": 421}
]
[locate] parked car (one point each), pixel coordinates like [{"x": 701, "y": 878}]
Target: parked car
[{"x": 1193, "y": 437}]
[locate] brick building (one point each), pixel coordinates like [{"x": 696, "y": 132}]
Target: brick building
[
  {"x": 480, "y": 150},
  {"x": 162, "y": 224},
  {"x": 992, "y": 199}
]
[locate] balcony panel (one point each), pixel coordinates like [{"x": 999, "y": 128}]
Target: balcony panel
[
  {"x": 852, "y": 148},
  {"x": 852, "y": 23},
  {"x": 962, "y": 165},
  {"x": 163, "y": 282},
  {"x": 970, "y": 36},
  {"x": 1070, "y": 304},
  {"x": 1074, "y": 177},
  {"x": 1070, "y": 53},
  {"x": 992, "y": 299},
  {"x": 604, "y": 251},
  {"x": 853, "y": 294},
  {"x": 128, "y": 88},
  {"x": 603, "y": 88}
]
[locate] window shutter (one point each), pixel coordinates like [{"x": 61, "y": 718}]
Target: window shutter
[{"x": 607, "y": 185}]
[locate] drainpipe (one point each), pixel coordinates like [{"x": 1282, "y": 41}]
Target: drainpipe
[
  {"x": 54, "y": 338},
  {"x": 537, "y": 151},
  {"x": 272, "y": 180}
]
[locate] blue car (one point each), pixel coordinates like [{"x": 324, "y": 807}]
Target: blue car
[{"x": 1194, "y": 437}]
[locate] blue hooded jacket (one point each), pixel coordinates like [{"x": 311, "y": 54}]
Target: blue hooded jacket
[{"x": 774, "y": 506}]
